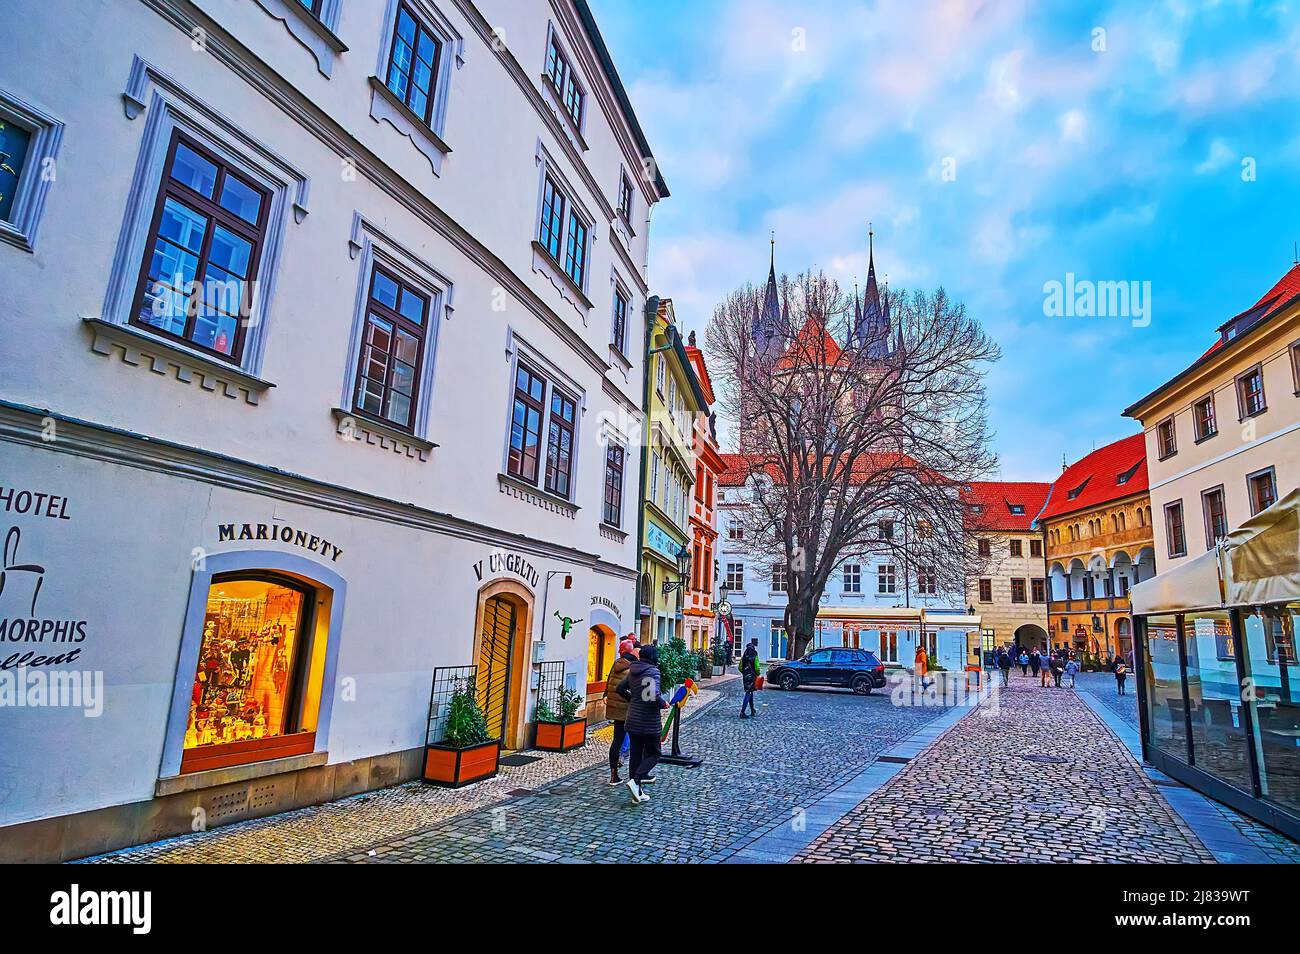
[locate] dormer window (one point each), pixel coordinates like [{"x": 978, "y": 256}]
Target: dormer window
[
  {"x": 1125, "y": 477},
  {"x": 1017, "y": 509},
  {"x": 1073, "y": 494}
]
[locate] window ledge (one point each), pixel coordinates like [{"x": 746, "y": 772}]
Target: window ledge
[
  {"x": 386, "y": 106},
  {"x": 305, "y": 27},
  {"x": 139, "y": 347},
  {"x": 238, "y": 773},
  {"x": 566, "y": 121},
  {"x": 611, "y": 532},
  {"x": 549, "y": 268},
  {"x": 1246, "y": 417},
  {"x": 357, "y": 427},
  {"x": 521, "y": 490},
  {"x": 619, "y": 360},
  {"x": 1207, "y": 437}
]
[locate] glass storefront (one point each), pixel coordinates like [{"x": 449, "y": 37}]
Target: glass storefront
[
  {"x": 1166, "y": 719},
  {"x": 249, "y": 682},
  {"x": 1272, "y": 682},
  {"x": 1220, "y": 693}
]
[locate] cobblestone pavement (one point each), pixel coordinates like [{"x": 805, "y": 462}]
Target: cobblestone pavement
[
  {"x": 758, "y": 773},
  {"x": 309, "y": 834},
  {"x": 1043, "y": 780},
  {"x": 1279, "y": 848}
]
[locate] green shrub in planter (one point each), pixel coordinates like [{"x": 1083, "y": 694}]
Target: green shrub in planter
[{"x": 466, "y": 724}]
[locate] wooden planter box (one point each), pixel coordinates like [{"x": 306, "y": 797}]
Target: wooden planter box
[
  {"x": 445, "y": 765},
  {"x": 561, "y": 736}
]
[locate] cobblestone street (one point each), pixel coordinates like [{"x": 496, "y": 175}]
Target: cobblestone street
[{"x": 1043, "y": 779}]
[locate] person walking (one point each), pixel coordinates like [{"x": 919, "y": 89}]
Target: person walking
[
  {"x": 1004, "y": 666},
  {"x": 1035, "y": 661},
  {"x": 1056, "y": 668},
  {"x": 1072, "y": 670},
  {"x": 921, "y": 666},
  {"x": 1023, "y": 661},
  {"x": 616, "y": 705},
  {"x": 640, "y": 687},
  {"x": 749, "y": 677},
  {"x": 1121, "y": 674}
]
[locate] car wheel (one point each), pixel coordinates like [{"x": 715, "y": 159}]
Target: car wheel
[
  {"x": 789, "y": 681},
  {"x": 862, "y": 685}
]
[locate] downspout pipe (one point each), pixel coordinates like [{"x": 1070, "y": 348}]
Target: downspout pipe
[{"x": 651, "y": 314}]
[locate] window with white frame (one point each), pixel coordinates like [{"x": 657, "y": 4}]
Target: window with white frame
[
  {"x": 560, "y": 74},
  {"x": 543, "y": 431},
  {"x": 563, "y": 232},
  {"x": 660, "y": 368},
  {"x": 413, "y": 77},
  {"x": 735, "y": 531},
  {"x": 779, "y": 579},
  {"x": 736, "y": 577},
  {"x": 625, "y": 198},
  {"x": 615, "y": 457},
  {"x": 413, "y": 64},
  {"x": 886, "y": 578},
  {"x": 29, "y": 144},
  {"x": 927, "y": 581},
  {"x": 852, "y": 578},
  {"x": 654, "y": 476},
  {"x": 618, "y": 326}
]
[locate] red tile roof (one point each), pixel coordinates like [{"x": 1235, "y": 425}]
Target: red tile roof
[
  {"x": 738, "y": 467},
  {"x": 813, "y": 344},
  {"x": 1281, "y": 293},
  {"x": 1094, "y": 480},
  {"x": 997, "y": 497}
]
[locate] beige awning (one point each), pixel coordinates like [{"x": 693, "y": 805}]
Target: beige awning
[{"x": 1260, "y": 564}]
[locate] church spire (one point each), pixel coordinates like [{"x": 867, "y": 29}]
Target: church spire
[
  {"x": 767, "y": 323},
  {"x": 871, "y": 329}
]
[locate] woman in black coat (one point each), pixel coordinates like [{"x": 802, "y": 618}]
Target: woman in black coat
[{"x": 640, "y": 687}]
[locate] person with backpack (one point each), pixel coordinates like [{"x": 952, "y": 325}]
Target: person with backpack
[
  {"x": 616, "y": 705},
  {"x": 1072, "y": 670},
  {"x": 640, "y": 687},
  {"x": 749, "y": 670},
  {"x": 1004, "y": 666},
  {"x": 1055, "y": 668},
  {"x": 1120, "y": 669}
]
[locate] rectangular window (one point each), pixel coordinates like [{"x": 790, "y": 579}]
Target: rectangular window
[
  {"x": 1035, "y": 548},
  {"x": 886, "y": 579},
  {"x": 614, "y": 456},
  {"x": 575, "y": 255},
  {"x": 1216, "y": 517},
  {"x": 625, "y": 198},
  {"x": 565, "y": 84},
  {"x": 1250, "y": 392},
  {"x": 1203, "y": 422},
  {"x": 927, "y": 581},
  {"x": 1261, "y": 486},
  {"x": 734, "y": 530},
  {"x": 660, "y": 368},
  {"x": 984, "y": 548},
  {"x": 736, "y": 577},
  {"x": 852, "y": 578},
  {"x": 654, "y": 476},
  {"x": 551, "y": 234},
  {"x": 886, "y": 529},
  {"x": 779, "y": 582},
  {"x": 15, "y": 141},
  {"x": 526, "y": 424},
  {"x": 413, "y": 65},
  {"x": 618, "y": 330},
  {"x": 1166, "y": 439},
  {"x": 888, "y": 646},
  {"x": 312, "y": 6},
  {"x": 986, "y": 591},
  {"x": 392, "y": 346},
  {"x": 1174, "y": 529},
  {"x": 1017, "y": 548},
  {"x": 559, "y": 443},
  {"x": 1017, "y": 590},
  {"x": 1038, "y": 590},
  {"x": 202, "y": 253}
]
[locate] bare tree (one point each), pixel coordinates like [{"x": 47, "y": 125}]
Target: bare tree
[{"x": 859, "y": 436}]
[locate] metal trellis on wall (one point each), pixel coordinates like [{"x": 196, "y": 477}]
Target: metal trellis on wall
[
  {"x": 447, "y": 681},
  {"x": 550, "y": 680}
]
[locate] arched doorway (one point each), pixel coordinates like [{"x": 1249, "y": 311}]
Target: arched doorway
[
  {"x": 1031, "y": 636},
  {"x": 501, "y": 646},
  {"x": 1124, "y": 637}
]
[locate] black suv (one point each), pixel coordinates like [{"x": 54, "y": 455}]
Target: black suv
[{"x": 855, "y": 669}]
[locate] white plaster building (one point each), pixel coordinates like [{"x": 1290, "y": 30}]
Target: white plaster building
[{"x": 431, "y": 217}]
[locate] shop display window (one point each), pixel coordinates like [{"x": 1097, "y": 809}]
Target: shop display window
[{"x": 248, "y": 698}]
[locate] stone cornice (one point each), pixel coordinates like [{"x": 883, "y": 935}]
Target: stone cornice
[{"x": 24, "y": 425}]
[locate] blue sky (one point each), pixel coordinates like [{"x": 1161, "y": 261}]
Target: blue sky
[{"x": 1123, "y": 163}]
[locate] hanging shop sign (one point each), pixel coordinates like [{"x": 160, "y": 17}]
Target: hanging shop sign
[
  {"x": 278, "y": 533},
  {"x": 660, "y": 540},
  {"x": 499, "y": 562}
]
